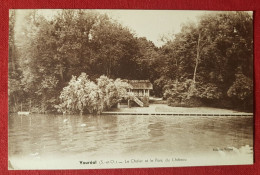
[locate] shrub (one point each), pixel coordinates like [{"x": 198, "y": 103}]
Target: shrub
[
  {"x": 241, "y": 92},
  {"x": 111, "y": 91},
  {"x": 242, "y": 88},
  {"x": 82, "y": 95},
  {"x": 178, "y": 92},
  {"x": 188, "y": 93}
]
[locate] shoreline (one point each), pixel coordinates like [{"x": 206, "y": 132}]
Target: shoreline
[
  {"x": 177, "y": 114},
  {"x": 163, "y": 109}
]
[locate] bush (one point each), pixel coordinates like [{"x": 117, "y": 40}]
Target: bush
[
  {"x": 178, "y": 92},
  {"x": 111, "y": 91},
  {"x": 187, "y": 93},
  {"x": 81, "y": 94},
  {"x": 242, "y": 88},
  {"x": 85, "y": 96},
  {"x": 241, "y": 92}
]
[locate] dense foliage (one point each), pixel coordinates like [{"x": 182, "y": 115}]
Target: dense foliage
[
  {"x": 85, "y": 96},
  {"x": 210, "y": 62}
]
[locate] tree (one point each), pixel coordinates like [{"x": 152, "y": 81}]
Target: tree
[
  {"x": 114, "y": 48},
  {"x": 211, "y": 52},
  {"x": 85, "y": 96},
  {"x": 80, "y": 95},
  {"x": 45, "y": 53},
  {"x": 146, "y": 59},
  {"x": 242, "y": 91},
  {"x": 13, "y": 77},
  {"x": 52, "y": 50},
  {"x": 111, "y": 91}
]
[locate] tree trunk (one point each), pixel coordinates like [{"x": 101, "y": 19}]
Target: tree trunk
[
  {"x": 13, "y": 56},
  {"x": 61, "y": 74},
  {"x": 197, "y": 60},
  {"x": 109, "y": 67},
  {"x": 13, "y": 45}
]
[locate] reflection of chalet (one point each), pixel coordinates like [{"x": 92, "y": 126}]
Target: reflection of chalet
[{"x": 139, "y": 93}]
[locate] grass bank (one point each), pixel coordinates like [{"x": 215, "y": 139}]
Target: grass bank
[{"x": 165, "y": 108}]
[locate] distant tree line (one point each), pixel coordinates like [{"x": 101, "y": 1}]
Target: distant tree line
[{"x": 210, "y": 62}]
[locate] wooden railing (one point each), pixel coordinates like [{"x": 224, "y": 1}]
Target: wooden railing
[{"x": 139, "y": 102}]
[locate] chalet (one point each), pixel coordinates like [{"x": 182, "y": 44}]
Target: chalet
[
  {"x": 139, "y": 92},
  {"x": 140, "y": 88}
]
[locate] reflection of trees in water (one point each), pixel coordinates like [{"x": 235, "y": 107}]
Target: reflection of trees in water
[
  {"x": 15, "y": 127},
  {"x": 116, "y": 133},
  {"x": 133, "y": 132},
  {"x": 229, "y": 130},
  {"x": 20, "y": 125},
  {"x": 172, "y": 135},
  {"x": 134, "y": 126},
  {"x": 110, "y": 135},
  {"x": 48, "y": 133},
  {"x": 102, "y": 136},
  {"x": 156, "y": 129},
  {"x": 81, "y": 134},
  {"x": 32, "y": 134},
  {"x": 65, "y": 132}
]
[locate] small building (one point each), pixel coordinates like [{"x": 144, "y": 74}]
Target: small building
[
  {"x": 140, "y": 88},
  {"x": 139, "y": 93}
]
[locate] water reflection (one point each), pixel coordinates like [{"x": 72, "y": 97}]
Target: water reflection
[{"x": 45, "y": 135}]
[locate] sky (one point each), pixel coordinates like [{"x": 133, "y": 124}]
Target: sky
[{"x": 152, "y": 24}]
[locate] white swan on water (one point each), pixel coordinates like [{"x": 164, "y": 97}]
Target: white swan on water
[
  {"x": 35, "y": 154},
  {"x": 65, "y": 120}
]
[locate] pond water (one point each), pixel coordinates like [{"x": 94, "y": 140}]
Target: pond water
[{"x": 47, "y": 137}]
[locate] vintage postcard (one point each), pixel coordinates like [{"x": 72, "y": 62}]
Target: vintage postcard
[{"x": 95, "y": 89}]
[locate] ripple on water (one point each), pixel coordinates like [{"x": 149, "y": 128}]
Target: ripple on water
[{"x": 127, "y": 134}]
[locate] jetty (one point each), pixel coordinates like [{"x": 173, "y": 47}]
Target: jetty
[
  {"x": 177, "y": 114},
  {"x": 23, "y": 113},
  {"x": 163, "y": 109}
]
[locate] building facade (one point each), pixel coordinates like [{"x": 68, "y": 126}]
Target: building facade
[{"x": 139, "y": 93}]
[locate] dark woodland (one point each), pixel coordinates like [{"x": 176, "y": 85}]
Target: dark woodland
[{"x": 54, "y": 62}]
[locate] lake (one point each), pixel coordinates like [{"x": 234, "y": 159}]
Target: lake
[{"x": 57, "y": 141}]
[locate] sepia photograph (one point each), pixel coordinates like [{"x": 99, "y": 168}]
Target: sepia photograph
[{"x": 101, "y": 89}]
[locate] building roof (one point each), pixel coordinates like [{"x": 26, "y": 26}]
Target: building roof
[{"x": 140, "y": 84}]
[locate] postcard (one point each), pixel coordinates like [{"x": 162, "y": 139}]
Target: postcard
[{"x": 98, "y": 89}]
